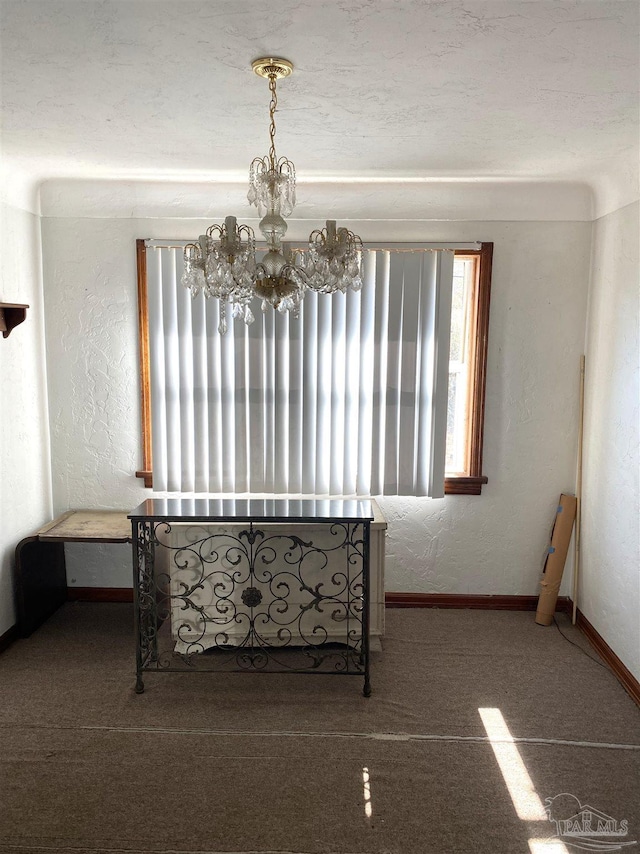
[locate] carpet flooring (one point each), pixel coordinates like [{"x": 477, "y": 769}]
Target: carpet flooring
[{"x": 304, "y": 764}]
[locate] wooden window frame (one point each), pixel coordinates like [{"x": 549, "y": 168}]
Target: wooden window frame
[
  {"x": 146, "y": 472},
  {"x": 468, "y": 484}
]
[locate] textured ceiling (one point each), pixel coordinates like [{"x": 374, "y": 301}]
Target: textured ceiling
[{"x": 382, "y": 88}]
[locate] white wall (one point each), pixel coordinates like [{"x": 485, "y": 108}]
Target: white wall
[
  {"x": 609, "y": 593},
  {"x": 25, "y": 478},
  {"x": 493, "y": 543}
]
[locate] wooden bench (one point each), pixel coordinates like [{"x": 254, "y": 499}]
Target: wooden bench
[{"x": 40, "y": 578}]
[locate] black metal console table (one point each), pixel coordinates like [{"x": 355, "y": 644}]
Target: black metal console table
[{"x": 219, "y": 586}]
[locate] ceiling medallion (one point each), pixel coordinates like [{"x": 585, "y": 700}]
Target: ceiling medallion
[{"x": 223, "y": 262}]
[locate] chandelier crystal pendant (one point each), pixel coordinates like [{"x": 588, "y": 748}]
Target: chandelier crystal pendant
[{"x": 223, "y": 264}]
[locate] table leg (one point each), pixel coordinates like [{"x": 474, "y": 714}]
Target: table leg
[
  {"x": 139, "y": 538},
  {"x": 366, "y": 607},
  {"x": 40, "y": 582}
]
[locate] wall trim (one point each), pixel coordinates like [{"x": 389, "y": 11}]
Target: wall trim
[
  {"x": 463, "y": 600},
  {"x": 620, "y": 670},
  {"x": 208, "y": 198},
  {"x": 392, "y": 600}
]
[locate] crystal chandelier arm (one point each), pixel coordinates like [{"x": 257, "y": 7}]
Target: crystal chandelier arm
[
  {"x": 247, "y": 232},
  {"x": 214, "y": 231},
  {"x": 322, "y": 237},
  {"x": 193, "y": 253},
  {"x": 352, "y": 240}
]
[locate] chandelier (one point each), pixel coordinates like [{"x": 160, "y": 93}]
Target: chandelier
[{"x": 223, "y": 262}]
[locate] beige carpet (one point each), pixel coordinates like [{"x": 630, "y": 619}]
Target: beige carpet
[{"x": 261, "y": 763}]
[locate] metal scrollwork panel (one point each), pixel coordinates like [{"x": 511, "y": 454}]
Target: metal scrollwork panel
[
  {"x": 145, "y": 592},
  {"x": 251, "y": 597}
]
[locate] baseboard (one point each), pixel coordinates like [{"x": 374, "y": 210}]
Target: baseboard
[
  {"x": 620, "y": 670},
  {"x": 462, "y": 600},
  {"x": 392, "y": 600},
  {"x": 8, "y": 638},
  {"x": 100, "y": 594}
]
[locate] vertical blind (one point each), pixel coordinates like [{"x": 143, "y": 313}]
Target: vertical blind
[{"x": 348, "y": 399}]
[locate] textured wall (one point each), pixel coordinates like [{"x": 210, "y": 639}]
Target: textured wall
[
  {"x": 493, "y": 543},
  {"x": 609, "y": 593},
  {"x": 25, "y": 479}
]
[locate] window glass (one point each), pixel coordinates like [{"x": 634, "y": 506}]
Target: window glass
[{"x": 464, "y": 276}]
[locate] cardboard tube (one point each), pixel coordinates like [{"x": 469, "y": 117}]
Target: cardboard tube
[{"x": 556, "y": 557}]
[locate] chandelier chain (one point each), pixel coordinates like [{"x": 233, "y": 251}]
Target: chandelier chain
[{"x": 272, "y": 121}]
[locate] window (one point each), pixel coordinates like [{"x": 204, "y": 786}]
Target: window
[
  {"x": 408, "y": 431},
  {"x": 467, "y": 370}
]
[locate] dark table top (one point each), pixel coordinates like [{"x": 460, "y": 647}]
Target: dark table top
[{"x": 253, "y": 510}]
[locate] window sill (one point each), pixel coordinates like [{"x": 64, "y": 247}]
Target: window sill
[
  {"x": 452, "y": 485},
  {"x": 147, "y": 476},
  {"x": 464, "y": 485}
]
